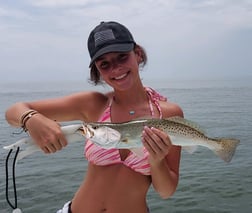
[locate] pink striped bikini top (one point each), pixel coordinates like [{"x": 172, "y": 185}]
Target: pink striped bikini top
[{"x": 102, "y": 157}]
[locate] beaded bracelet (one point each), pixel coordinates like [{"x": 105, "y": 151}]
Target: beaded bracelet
[{"x": 25, "y": 117}]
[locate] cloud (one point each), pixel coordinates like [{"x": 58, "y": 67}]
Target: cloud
[
  {"x": 184, "y": 37},
  {"x": 60, "y": 3}
]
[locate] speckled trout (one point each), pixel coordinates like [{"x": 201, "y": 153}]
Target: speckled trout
[
  {"x": 127, "y": 135},
  {"x": 182, "y": 132}
]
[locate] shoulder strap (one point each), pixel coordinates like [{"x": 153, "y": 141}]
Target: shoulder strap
[
  {"x": 106, "y": 113},
  {"x": 155, "y": 97}
]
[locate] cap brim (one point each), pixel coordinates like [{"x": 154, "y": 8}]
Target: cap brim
[{"x": 125, "y": 47}]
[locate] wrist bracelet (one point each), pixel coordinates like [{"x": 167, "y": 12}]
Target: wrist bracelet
[{"x": 25, "y": 117}]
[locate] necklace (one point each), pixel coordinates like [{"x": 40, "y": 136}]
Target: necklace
[{"x": 132, "y": 112}]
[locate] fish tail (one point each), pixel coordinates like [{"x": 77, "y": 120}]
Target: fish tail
[
  {"x": 28, "y": 151},
  {"x": 227, "y": 148}
]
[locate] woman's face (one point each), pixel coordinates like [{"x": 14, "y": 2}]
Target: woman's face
[{"x": 119, "y": 69}]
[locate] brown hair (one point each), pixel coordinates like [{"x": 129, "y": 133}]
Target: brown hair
[{"x": 95, "y": 77}]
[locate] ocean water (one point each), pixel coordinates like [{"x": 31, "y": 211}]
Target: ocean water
[{"x": 207, "y": 184}]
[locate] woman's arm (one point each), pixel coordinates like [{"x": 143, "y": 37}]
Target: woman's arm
[
  {"x": 77, "y": 106},
  {"x": 43, "y": 126},
  {"x": 164, "y": 157}
]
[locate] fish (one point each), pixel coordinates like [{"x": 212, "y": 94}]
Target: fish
[
  {"x": 127, "y": 135},
  {"x": 27, "y": 145},
  {"x": 182, "y": 132}
]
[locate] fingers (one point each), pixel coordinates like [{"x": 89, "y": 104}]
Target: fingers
[
  {"x": 62, "y": 140},
  {"x": 47, "y": 134},
  {"x": 54, "y": 144},
  {"x": 156, "y": 142},
  {"x": 49, "y": 148}
]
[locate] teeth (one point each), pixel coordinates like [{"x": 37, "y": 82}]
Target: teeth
[{"x": 121, "y": 76}]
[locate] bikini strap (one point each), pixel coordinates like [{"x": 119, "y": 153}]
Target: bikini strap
[
  {"x": 106, "y": 113},
  {"x": 155, "y": 97}
]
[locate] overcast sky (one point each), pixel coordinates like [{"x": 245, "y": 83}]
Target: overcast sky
[{"x": 184, "y": 39}]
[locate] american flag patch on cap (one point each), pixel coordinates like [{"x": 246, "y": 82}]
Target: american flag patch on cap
[{"x": 103, "y": 36}]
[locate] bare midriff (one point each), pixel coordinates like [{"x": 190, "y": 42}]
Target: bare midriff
[{"x": 111, "y": 189}]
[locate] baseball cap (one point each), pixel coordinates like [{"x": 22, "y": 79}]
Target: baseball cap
[{"x": 109, "y": 37}]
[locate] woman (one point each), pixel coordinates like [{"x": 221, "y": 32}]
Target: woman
[{"x": 116, "y": 180}]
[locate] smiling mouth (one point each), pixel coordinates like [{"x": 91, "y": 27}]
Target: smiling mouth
[{"x": 121, "y": 76}]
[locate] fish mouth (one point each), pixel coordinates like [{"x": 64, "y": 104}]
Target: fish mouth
[
  {"x": 82, "y": 130},
  {"x": 86, "y": 131}
]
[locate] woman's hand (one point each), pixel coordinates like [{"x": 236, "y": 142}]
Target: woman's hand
[
  {"x": 157, "y": 144},
  {"x": 46, "y": 133},
  {"x": 164, "y": 160}
]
